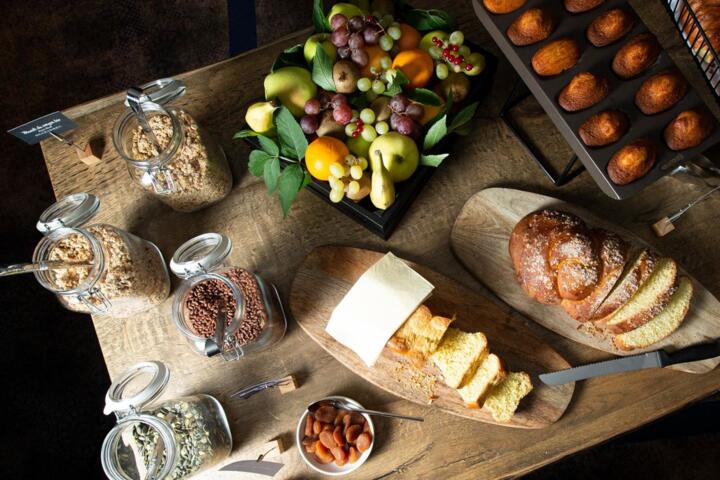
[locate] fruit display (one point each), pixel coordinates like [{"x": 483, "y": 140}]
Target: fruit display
[{"x": 372, "y": 93}]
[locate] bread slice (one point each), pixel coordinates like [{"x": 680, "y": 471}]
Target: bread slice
[
  {"x": 665, "y": 323},
  {"x": 649, "y": 300},
  {"x": 489, "y": 374},
  {"x": 505, "y": 397},
  {"x": 459, "y": 355},
  {"x": 634, "y": 275},
  {"x": 420, "y": 335}
]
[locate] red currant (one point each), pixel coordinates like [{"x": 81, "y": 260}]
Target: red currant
[{"x": 469, "y": 66}]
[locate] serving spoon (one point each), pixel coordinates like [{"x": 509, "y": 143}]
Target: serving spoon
[
  {"x": 7, "y": 270},
  {"x": 341, "y": 404}
]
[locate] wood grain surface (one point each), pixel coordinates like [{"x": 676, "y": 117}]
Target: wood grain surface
[
  {"x": 444, "y": 446},
  {"x": 328, "y": 273},
  {"x": 480, "y": 239}
]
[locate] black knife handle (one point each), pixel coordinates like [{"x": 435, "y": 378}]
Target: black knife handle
[{"x": 693, "y": 353}]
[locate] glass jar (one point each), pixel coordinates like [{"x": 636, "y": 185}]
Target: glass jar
[
  {"x": 188, "y": 169},
  {"x": 171, "y": 440},
  {"x": 100, "y": 269},
  {"x": 213, "y": 290}
]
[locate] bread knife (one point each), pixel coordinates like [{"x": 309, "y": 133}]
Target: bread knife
[{"x": 655, "y": 359}]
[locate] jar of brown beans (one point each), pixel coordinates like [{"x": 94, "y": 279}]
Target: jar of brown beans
[{"x": 220, "y": 308}]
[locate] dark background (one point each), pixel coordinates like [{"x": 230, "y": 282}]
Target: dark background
[{"x": 58, "y": 54}]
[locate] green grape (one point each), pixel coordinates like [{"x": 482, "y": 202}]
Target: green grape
[
  {"x": 478, "y": 62},
  {"x": 369, "y": 134},
  {"x": 442, "y": 71},
  {"x": 434, "y": 51},
  {"x": 354, "y": 115},
  {"x": 386, "y": 20},
  {"x": 356, "y": 172},
  {"x": 332, "y": 180},
  {"x": 385, "y": 62},
  {"x": 386, "y": 42},
  {"x": 371, "y": 96},
  {"x": 395, "y": 24},
  {"x": 336, "y": 195},
  {"x": 364, "y": 84},
  {"x": 350, "y": 129},
  {"x": 378, "y": 87},
  {"x": 353, "y": 187},
  {"x": 337, "y": 170},
  {"x": 457, "y": 37},
  {"x": 464, "y": 51},
  {"x": 363, "y": 161},
  {"x": 456, "y": 68},
  {"x": 394, "y": 32},
  {"x": 367, "y": 115},
  {"x": 390, "y": 75},
  {"x": 382, "y": 128}
]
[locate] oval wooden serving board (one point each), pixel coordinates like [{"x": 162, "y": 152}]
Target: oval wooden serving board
[
  {"x": 329, "y": 272},
  {"x": 480, "y": 241}
]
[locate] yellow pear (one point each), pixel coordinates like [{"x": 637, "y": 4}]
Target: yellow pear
[{"x": 292, "y": 86}]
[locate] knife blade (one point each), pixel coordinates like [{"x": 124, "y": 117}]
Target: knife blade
[
  {"x": 266, "y": 468},
  {"x": 654, "y": 359}
]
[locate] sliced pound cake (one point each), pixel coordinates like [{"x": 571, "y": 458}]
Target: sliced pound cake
[
  {"x": 489, "y": 374},
  {"x": 459, "y": 355},
  {"x": 505, "y": 397},
  {"x": 649, "y": 300},
  {"x": 634, "y": 275},
  {"x": 420, "y": 335},
  {"x": 665, "y": 323}
]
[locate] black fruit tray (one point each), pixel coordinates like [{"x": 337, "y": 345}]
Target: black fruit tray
[
  {"x": 384, "y": 222},
  {"x": 621, "y": 97}
]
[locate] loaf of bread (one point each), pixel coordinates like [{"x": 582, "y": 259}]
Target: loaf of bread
[
  {"x": 609, "y": 27},
  {"x": 707, "y": 13},
  {"x": 583, "y": 91},
  {"x": 420, "y": 335},
  {"x": 637, "y": 55},
  {"x": 503, "y": 6},
  {"x": 689, "y": 129},
  {"x": 459, "y": 355},
  {"x": 604, "y": 128},
  {"x": 505, "y": 397},
  {"x": 635, "y": 274},
  {"x": 661, "y": 91},
  {"x": 632, "y": 161},
  {"x": 532, "y": 26},
  {"x": 489, "y": 373},
  {"x": 556, "y": 57}
]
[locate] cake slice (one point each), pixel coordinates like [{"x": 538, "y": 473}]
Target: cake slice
[
  {"x": 665, "y": 323},
  {"x": 649, "y": 300},
  {"x": 634, "y": 275},
  {"x": 489, "y": 374},
  {"x": 420, "y": 335},
  {"x": 505, "y": 397},
  {"x": 459, "y": 355}
]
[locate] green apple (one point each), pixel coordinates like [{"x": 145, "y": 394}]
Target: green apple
[
  {"x": 259, "y": 117},
  {"x": 358, "y": 146},
  {"x": 292, "y": 86},
  {"x": 399, "y": 153},
  {"x": 347, "y": 9},
  {"x": 312, "y": 43},
  {"x": 426, "y": 41}
]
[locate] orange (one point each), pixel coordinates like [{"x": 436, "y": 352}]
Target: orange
[
  {"x": 429, "y": 112},
  {"x": 375, "y": 53},
  {"x": 409, "y": 38},
  {"x": 417, "y": 65},
  {"x": 323, "y": 152}
]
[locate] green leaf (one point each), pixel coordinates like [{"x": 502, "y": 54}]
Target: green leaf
[
  {"x": 292, "y": 139},
  {"x": 433, "y": 160},
  {"x": 463, "y": 117},
  {"x": 359, "y": 101},
  {"x": 437, "y": 132},
  {"x": 268, "y": 145},
  {"x": 307, "y": 179},
  {"x": 395, "y": 86},
  {"x": 322, "y": 68},
  {"x": 245, "y": 133},
  {"x": 425, "y": 20},
  {"x": 289, "y": 184},
  {"x": 321, "y": 23},
  {"x": 257, "y": 162},
  {"x": 425, "y": 96},
  {"x": 271, "y": 172},
  {"x": 290, "y": 57}
]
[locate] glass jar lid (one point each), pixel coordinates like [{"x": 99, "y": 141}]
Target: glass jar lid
[
  {"x": 161, "y": 91},
  {"x": 116, "y": 402},
  {"x": 200, "y": 254},
  {"x": 72, "y": 211}
]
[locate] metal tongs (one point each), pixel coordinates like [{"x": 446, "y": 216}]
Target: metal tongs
[
  {"x": 135, "y": 99},
  {"x": 251, "y": 390},
  {"x": 214, "y": 345}
]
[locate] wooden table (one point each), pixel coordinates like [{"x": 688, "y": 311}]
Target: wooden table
[{"x": 444, "y": 446}]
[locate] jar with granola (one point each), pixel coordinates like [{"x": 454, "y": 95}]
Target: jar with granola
[
  {"x": 220, "y": 308},
  {"x": 99, "y": 269},
  {"x": 175, "y": 439},
  {"x": 180, "y": 163}
]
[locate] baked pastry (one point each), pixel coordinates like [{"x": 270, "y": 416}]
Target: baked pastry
[
  {"x": 490, "y": 373},
  {"x": 609, "y": 27},
  {"x": 579, "y": 6},
  {"x": 503, "y": 6},
  {"x": 583, "y": 91},
  {"x": 420, "y": 335},
  {"x": 604, "y": 128},
  {"x": 707, "y": 13},
  {"x": 532, "y": 26},
  {"x": 505, "y": 397},
  {"x": 634, "y": 275},
  {"x": 661, "y": 91},
  {"x": 556, "y": 57},
  {"x": 459, "y": 355},
  {"x": 689, "y": 129},
  {"x": 632, "y": 161},
  {"x": 638, "y": 54}
]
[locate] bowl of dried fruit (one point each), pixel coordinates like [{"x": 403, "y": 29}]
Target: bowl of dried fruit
[{"x": 334, "y": 441}]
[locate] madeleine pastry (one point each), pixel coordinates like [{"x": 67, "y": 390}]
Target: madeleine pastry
[
  {"x": 604, "y": 128},
  {"x": 503, "y": 6},
  {"x": 579, "y": 6},
  {"x": 532, "y": 26},
  {"x": 638, "y": 54},
  {"x": 584, "y": 90},
  {"x": 632, "y": 161},
  {"x": 661, "y": 91},
  {"x": 609, "y": 27},
  {"x": 556, "y": 57},
  {"x": 689, "y": 129}
]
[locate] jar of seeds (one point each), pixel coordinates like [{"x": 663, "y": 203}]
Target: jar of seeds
[
  {"x": 167, "y": 152},
  {"x": 174, "y": 439},
  {"x": 220, "y": 308}
]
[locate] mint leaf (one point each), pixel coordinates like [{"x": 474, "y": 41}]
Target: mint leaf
[
  {"x": 292, "y": 139},
  {"x": 289, "y": 184},
  {"x": 437, "y": 131},
  {"x": 425, "y": 96},
  {"x": 433, "y": 160},
  {"x": 245, "y": 133},
  {"x": 271, "y": 172},
  {"x": 319, "y": 20},
  {"x": 290, "y": 57},
  {"x": 463, "y": 117},
  {"x": 432, "y": 19},
  {"x": 257, "y": 162},
  {"x": 322, "y": 68},
  {"x": 268, "y": 145}
]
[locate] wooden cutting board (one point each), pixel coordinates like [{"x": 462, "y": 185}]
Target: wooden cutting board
[
  {"x": 329, "y": 272},
  {"x": 480, "y": 241}
]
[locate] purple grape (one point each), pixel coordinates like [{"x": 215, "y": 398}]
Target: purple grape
[
  {"x": 360, "y": 57},
  {"x": 356, "y": 23},
  {"x": 339, "y": 37},
  {"x": 343, "y": 52},
  {"x": 313, "y": 106},
  {"x": 338, "y": 100},
  {"x": 325, "y": 98},
  {"x": 414, "y": 111},
  {"x": 342, "y": 114},
  {"x": 371, "y": 35},
  {"x": 338, "y": 20},
  {"x": 399, "y": 103},
  {"x": 309, "y": 124},
  {"x": 356, "y": 41},
  {"x": 393, "y": 120},
  {"x": 405, "y": 125}
]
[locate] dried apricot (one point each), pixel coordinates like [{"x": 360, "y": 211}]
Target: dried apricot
[
  {"x": 340, "y": 455},
  {"x": 317, "y": 427},
  {"x": 310, "y": 447},
  {"x": 326, "y": 414},
  {"x": 323, "y": 454},
  {"x": 340, "y": 415},
  {"x": 338, "y": 435},
  {"x": 326, "y": 438},
  {"x": 366, "y": 426},
  {"x": 356, "y": 419},
  {"x": 353, "y": 455},
  {"x": 352, "y": 433},
  {"x": 363, "y": 441},
  {"x": 309, "y": 420}
]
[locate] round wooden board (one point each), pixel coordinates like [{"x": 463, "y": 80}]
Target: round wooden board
[
  {"x": 480, "y": 241},
  {"x": 329, "y": 272}
]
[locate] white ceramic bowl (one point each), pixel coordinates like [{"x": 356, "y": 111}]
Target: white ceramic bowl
[{"x": 331, "y": 468}]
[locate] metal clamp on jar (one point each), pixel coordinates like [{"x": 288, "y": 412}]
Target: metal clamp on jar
[
  {"x": 175, "y": 439},
  {"x": 97, "y": 269},
  {"x": 168, "y": 154},
  {"x": 222, "y": 309}
]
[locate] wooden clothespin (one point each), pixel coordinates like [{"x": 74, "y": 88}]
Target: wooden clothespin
[
  {"x": 85, "y": 155},
  {"x": 665, "y": 225}
]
